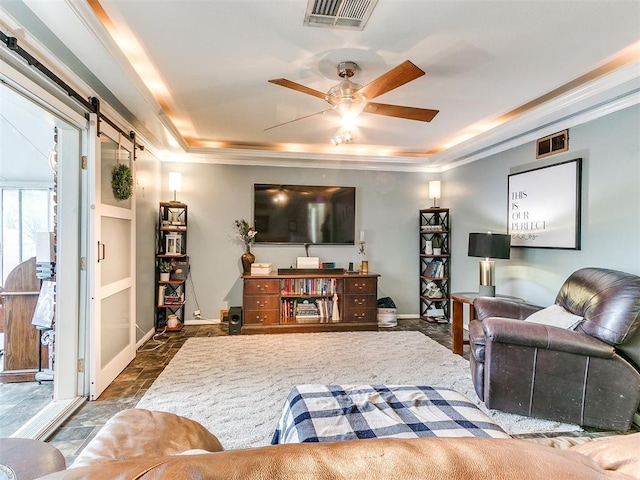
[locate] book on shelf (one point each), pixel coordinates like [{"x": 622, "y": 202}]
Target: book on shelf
[
  {"x": 325, "y": 307},
  {"x": 161, "y": 289},
  {"x": 431, "y": 228},
  {"x": 308, "y": 310},
  {"x": 434, "y": 269},
  {"x": 309, "y": 286}
]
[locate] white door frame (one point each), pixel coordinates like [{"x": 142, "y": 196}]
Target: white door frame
[{"x": 69, "y": 344}]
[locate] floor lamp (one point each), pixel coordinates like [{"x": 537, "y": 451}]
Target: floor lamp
[{"x": 488, "y": 245}]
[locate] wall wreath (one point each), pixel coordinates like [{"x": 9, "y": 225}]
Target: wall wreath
[{"x": 122, "y": 181}]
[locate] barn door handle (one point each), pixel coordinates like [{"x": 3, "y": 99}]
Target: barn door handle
[{"x": 101, "y": 251}]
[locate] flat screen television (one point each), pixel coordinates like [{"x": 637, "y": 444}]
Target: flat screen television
[{"x": 300, "y": 214}]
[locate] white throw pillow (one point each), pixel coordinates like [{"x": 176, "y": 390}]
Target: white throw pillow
[{"x": 555, "y": 316}]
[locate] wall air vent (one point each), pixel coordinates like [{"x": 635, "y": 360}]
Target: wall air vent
[
  {"x": 556, "y": 143},
  {"x": 346, "y": 14}
]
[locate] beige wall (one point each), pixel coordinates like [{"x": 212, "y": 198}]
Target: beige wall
[{"x": 148, "y": 180}]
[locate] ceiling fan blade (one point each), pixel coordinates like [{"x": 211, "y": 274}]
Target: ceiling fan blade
[
  {"x": 299, "y": 118},
  {"x": 283, "y": 82},
  {"x": 410, "y": 113},
  {"x": 403, "y": 73}
]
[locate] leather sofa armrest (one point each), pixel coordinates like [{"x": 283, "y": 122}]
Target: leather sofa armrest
[
  {"x": 617, "y": 453},
  {"x": 503, "y": 307},
  {"x": 535, "y": 335},
  {"x": 139, "y": 433},
  {"x": 388, "y": 458},
  {"x": 477, "y": 341}
]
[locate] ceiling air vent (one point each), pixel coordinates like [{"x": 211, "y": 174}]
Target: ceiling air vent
[{"x": 347, "y": 14}]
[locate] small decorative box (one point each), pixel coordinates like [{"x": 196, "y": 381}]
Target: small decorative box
[{"x": 261, "y": 268}]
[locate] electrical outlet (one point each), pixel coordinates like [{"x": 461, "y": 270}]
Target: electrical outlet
[{"x": 196, "y": 313}]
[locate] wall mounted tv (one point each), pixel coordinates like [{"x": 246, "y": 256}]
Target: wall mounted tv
[{"x": 299, "y": 214}]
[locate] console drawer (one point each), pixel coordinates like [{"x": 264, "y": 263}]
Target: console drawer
[
  {"x": 361, "y": 285},
  {"x": 360, "y": 314},
  {"x": 261, "y": 317},
  {"x": 260, "y": 286},
  {"x": 261, "y": 302},
  {"x": 360, "y": 301}
]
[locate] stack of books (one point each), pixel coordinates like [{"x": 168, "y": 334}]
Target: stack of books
[{"x": 307, "y": 312}]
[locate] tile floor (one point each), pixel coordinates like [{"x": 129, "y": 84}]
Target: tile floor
[
  {"x": 19, "y": 402},
  {"x": 129, "y": 387}
]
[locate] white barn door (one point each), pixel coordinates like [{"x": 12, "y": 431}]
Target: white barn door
[{"x": 111, "y": 255}]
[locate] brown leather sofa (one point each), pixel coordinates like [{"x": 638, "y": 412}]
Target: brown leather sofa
[
  {"x": 141, "y": 444},
  {"x": 587, "y": 376}
]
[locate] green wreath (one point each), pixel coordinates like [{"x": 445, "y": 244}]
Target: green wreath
[{"x": 122, "y": 181}]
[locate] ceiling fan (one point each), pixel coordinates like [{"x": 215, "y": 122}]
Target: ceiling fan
[{"x": 350, "y": 99}]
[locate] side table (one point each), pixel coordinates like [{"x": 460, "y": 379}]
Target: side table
[{"x": 459, "y": 299}]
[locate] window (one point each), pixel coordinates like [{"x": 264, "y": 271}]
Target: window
[{"x": 25, "y": 212}]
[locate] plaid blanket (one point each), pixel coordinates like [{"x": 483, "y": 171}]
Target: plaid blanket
[{"x": 327, "y": 413}]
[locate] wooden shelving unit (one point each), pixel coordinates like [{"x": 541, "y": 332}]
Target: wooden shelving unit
[
  {"x": 171, "y": 248},
  {"x": 435, "y": 267}
]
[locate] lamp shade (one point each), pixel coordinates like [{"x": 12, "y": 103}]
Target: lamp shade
[
  {"x": 489, "y": 245},
  {"x": 434, "y": 189},
  {"x": 175, "y": 182}
]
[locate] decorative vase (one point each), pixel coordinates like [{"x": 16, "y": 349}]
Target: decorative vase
[
  {"x": 172, "y": 321},
  {"x": 247, "y": 259},
  {"x": 428, "y": 247}
]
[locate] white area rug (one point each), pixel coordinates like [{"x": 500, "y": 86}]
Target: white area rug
[{"x": 236, "y": 386}]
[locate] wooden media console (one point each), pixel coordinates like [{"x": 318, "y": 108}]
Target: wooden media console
[{"x": 309, "y": 302}]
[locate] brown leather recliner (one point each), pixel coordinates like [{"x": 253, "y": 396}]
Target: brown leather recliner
[{"x": 588, "y": 376}]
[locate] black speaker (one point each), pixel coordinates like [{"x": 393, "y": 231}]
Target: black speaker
[{"x": 235, "y": 320}]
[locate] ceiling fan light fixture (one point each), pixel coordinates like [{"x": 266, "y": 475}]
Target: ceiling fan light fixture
[
  {"x": 342, "y": 136},
  {"x": 346, "y": 97},
  {"x": 350, "y": 99},
  {"x": 347, "y": 101},
  {"x": 345, "y": 92}
]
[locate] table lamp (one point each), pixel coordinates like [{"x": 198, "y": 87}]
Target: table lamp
[
  {"x": 434, "y": 191},
  {"x": 175, "y": 183},
  {"x": 488, "y": 245}
]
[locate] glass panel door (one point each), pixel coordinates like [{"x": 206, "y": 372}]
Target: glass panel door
[{"x": 113, "y": 256}]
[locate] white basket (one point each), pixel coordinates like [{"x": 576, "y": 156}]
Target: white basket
[{"x": 387, "y": 317}]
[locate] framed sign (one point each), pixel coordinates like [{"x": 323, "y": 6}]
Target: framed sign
[{"x": 544, "y": 206}]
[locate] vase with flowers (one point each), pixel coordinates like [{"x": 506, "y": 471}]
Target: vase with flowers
[{"x": 246, "y": 234}]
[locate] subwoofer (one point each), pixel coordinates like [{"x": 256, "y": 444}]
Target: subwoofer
[{"x": 235, "y": 320}]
